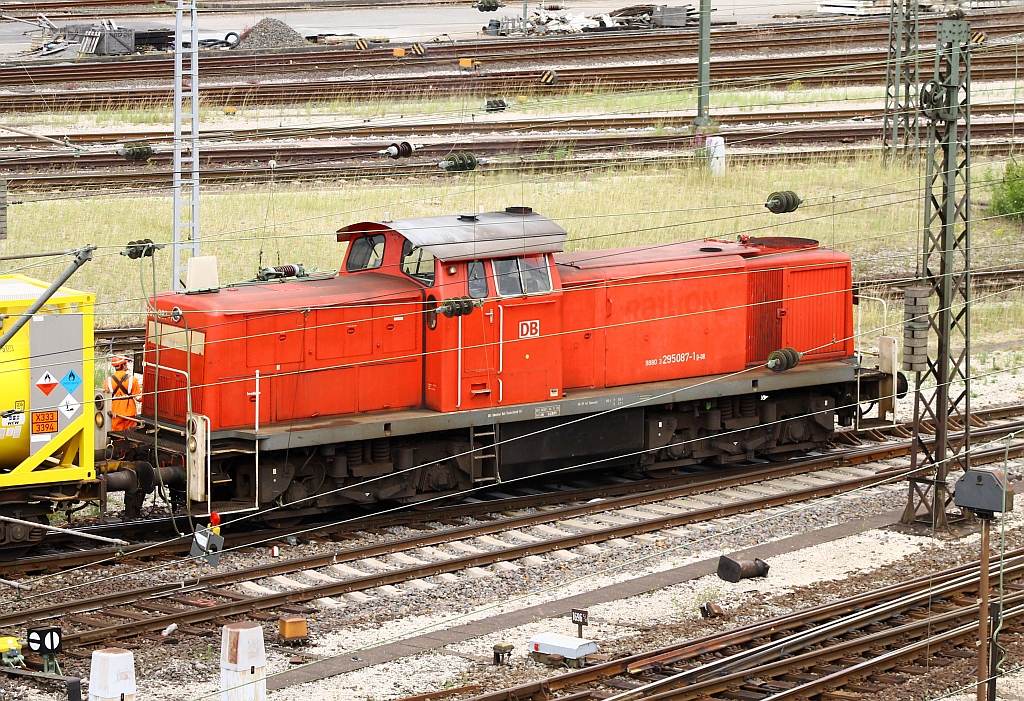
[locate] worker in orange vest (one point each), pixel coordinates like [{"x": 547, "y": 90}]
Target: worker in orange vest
[{"x": 124, "y": 390}]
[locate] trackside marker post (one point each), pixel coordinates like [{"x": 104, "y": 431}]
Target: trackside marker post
[
  {"x": 579, "y": 617},
  {"x": 112, "y": 675},
  {"x": 243, "y": 662}
]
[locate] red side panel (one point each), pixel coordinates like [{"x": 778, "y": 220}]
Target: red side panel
[
  {"x": 238, "y": 402},
  {"x": 671, "y": 326},
  {"x": 583, "y": 337},
  {"x": 764, "y": 319},
  {"x": 818, "y": 310}
]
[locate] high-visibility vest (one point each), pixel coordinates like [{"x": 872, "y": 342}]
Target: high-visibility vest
[{"x": 123, "y": 388}]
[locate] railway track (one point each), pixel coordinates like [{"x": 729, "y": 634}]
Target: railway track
[
  {"x": 333, "y": 158},
  {"x": 509, "y": 541},
  {"x": 27, "y": 147},
  {"x": 853, "y": 67},
  {"x": 803, "y": 36},
  {"x": 857, "y": 646},
  {"x": 28, "y": 9}
]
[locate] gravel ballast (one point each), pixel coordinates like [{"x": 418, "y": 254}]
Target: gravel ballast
[{"x": 270, "y": 33}]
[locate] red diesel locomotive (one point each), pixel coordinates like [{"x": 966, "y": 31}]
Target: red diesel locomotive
[{"x": 455, "y": 351}]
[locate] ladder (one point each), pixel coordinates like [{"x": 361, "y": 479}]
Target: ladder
[
  {"x": 185, "y": 234},
  {"x": 485, "y": 454}
]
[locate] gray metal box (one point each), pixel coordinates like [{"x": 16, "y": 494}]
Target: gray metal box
[
  {"x": 664, "y": 16},
  {"x": 116, "y": 42},
  {"x": 982, "y": 490}
]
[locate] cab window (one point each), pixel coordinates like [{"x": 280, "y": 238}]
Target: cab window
[
  {"x": 418, "y": 263},
  {"x": 523, "y": 275},
  {"x": 365, "y": 253},
  {"x": 477, "y": 279}
]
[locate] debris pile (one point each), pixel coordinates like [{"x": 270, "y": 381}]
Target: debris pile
[
  {"x": 554, "y": 20},
  {"x": 270, "y": 33}
]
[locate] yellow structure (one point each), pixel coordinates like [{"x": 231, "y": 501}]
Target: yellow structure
[{"x": 46, "y": 387}]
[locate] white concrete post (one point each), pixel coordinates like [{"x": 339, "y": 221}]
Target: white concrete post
[
  {"x": 112, "y": 675},
  {"x": 716, "y": 145},
  {"x": 243, "y": 662}
]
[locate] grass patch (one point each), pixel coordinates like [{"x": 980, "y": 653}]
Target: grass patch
[{"x": 858, "y": 206}]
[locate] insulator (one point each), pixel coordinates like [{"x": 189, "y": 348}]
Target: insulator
[
  {"x": 136, "y": 151},
  {"x": 748, "y": 405},
  {"x": 354, "y": 453},
  {"x": 381, "y": 450},
  {"x": 488, "y": 5},
  {"x": 497, "y": 105},
  {"x": 291, "y": 270},
  {"x": 398, "y": 150},
  {"x": 143, "y": 248},
  {"x": 279, "y": 271},
  {"x": 783, "y": 202},
  {"x": 459, "y": 162}
]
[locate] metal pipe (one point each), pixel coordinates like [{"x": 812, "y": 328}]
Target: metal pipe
[
  {"x": 68, "y": 531},
  {"x": 17, "y": 586},
  {"x": 82, "y": 255},
  {"x": 7, "y": 127},
  {"x": 49, "y": 254}
]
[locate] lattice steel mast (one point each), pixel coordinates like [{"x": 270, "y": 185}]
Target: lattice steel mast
[
  {"x": 945, "y": 268},
  {"x": 900, "y": 132},
  {"x": 186, "y": 137}
]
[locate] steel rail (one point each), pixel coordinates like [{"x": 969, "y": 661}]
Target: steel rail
[
  {"x": 853, "y": 457},
  {"x": 528, "y": 152},
  {"x": 712, "y": 643},
  {"x": 838, "y": 650},
  {"x": 141, "y": 624},
  {"x": 859, "y": 67},
  {"x": 617, "y": 496},
  {"x": 28, "y": 147},
  {"x": 561, "y": 49}
]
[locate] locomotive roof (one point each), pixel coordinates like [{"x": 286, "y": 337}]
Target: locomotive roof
[
  {"x": 702, "y": 252},
  {"x": 515, "y": 232}
]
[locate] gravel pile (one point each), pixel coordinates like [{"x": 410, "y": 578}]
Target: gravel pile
[{"x": 270, "y": 33}]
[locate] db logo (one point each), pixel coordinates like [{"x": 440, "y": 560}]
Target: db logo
[{"x": 529, "y": 329}]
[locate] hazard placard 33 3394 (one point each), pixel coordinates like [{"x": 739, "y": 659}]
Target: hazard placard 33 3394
[{"x": 44, "y": 422}]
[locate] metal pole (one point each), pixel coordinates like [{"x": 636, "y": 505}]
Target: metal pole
[
  {"x": 81, "y": 257},
  {"x": 526, "y": 13},
  {"x": 704, "y": 66},
  {"x": 900, "y": 124},
  {"x": 943, "y": 385},
  {"x": 983, "y": 615},
  {"x": 185, "y": 163}
]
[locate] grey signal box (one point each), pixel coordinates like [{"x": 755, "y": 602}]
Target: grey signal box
[{"x": 982, "y": 491}]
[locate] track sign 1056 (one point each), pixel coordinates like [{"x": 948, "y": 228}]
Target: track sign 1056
[{"x": 579, "y": 617}]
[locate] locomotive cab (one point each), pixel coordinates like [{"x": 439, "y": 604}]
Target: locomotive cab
[{"x": 492, "y": 315}]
